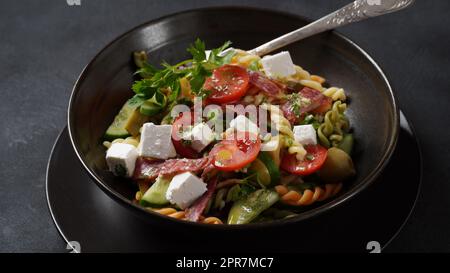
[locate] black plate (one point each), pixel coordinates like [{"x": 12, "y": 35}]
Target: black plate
[
  {"x": 83, "y": 213},
  {"x": 104, "y": 86}
]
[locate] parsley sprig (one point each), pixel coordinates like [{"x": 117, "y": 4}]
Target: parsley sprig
[{"x": 196, "y": 70}]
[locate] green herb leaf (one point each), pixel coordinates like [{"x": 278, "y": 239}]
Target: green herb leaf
[
  {"x": 198, "y": 51},
  {"x": 146, "y": 70},
  {"x": 144, "y": 87},
  {"x": 198, "y": 77},
  {"x": 217, "y": 59},
  {"x": 167, "y": 79}
]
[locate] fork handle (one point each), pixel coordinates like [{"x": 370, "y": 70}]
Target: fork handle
[{"x": 354, "y": 12}]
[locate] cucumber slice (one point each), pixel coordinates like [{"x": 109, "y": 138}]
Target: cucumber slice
[
  {"x": 247, "y": 209},
  {"x": 273, "y": 169},
  {"x": 154, "y": 105},
  {"x": 117, "y": 129},
  {"x": 267, "y": 172},
  {"x": 148, "y": 108},
  {"x": 156, "y": 194},
  {"x": 262, "y": 173}
]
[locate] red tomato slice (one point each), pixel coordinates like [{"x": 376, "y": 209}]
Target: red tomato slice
[
  {"x": 227, "y": 83},
  {"x": 182, "y": 147},
  {"x": 316, "y": 156},
  {"x": 235, "y": 153}
]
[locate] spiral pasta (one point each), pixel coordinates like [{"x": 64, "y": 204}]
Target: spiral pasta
[
  {"x": 335, "y": 93},
  {"x": 285, "y": 130},
  {"x": 318, "y": 79},
  {"x": 301, "y": 74},
  {"x": 331, "y": 131},
  {"x": 308, "y": 196},
  {"x": 129, "y": 140},
  {"x": 171, "y": 212},
  {"x": 244, "y": 59},
  {"x": 304, "y": 78},
  {"x": 312, "y": 84}
]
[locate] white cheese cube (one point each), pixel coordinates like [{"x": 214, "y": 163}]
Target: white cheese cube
[
  {"x": 184, "y": 189},
  {"x": 156, "y": 141},
  {"x": 121, "y": 159},
  {"x": 279, "y": 65},
  {"x": 242, "y": 124},
  {"x": 305, "y": 134},
  {"x": 200, "y": 136}
]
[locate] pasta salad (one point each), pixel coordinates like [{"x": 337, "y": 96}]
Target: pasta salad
[{"x": 227, "y": 137}]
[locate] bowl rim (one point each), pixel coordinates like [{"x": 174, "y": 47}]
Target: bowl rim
[{"x": 324, "y": 208}]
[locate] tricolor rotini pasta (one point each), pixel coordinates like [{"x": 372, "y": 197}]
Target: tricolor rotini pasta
[
  {"x": 335, "y": 93},
  {"x": 129, "y": 140},
  {"x": 335, "y": 124},
  {"x": 307, "y": 196},
  {"x": 180, "y": 214}
]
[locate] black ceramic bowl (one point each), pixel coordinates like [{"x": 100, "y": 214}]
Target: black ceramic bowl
[{"x": 104, "y": 85}]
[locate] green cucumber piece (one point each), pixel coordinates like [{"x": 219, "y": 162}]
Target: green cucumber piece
[
  {"x": 148, "y": 108},
  {"x": 117, "y": 129},
  {"x": 262, "y": 173},
  {"x": 154, "y": 105},
  {"x": 156, "y": 194},
  {"x": 273, "y": 169},
  {"x": 245, "y": 210}
]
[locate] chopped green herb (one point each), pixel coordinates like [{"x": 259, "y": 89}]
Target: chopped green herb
[
  {"x": 295, "y": 100},
  {"x": 313, "y": 120}
]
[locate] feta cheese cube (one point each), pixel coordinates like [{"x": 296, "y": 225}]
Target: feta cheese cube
[
  {"x": 201, "y": 136},
  {"x": 279, "y": 65},
  {"x": 121, "y": 159},
  {"x": 305, "y": 134},
  {"x": 242, "y": 124},
  {"x": 156, "y": 141},
  {"x": 184, "y": 189}
]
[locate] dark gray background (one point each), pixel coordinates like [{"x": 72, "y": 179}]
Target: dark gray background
[{"x": 44, "y": 45}]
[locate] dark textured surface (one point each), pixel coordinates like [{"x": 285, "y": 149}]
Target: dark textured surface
[{"x": 45, "y": 44}]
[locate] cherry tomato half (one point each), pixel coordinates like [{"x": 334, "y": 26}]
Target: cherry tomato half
[
  {"x": 236, "y": 152},
  {"x": 181, "y": 146},
  {"x": 316, "y": 156},
  {"x": 228, "y": 83}
]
